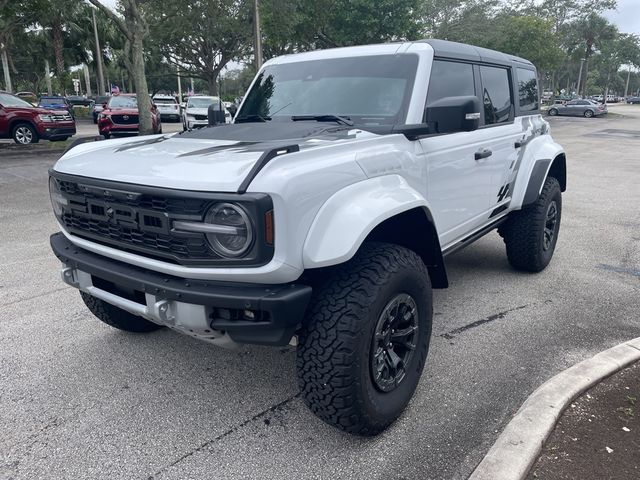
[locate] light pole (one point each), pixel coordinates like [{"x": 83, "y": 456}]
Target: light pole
[
  {"x": 257, "y": 37},
  {"x": 580, "y": 75}
]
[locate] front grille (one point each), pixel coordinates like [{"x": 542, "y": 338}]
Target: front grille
[
  {"x": 61, "y": 117},
  {"x": 137, "y": 222},
  {"x": 124, "y": 119},
  {"x": 200, "y": 117}
]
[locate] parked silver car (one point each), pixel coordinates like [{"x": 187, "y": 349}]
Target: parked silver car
[{"x": 579, "y": 108}]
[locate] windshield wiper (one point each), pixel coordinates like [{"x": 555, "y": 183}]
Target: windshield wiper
[
  {"x": 251, "y": 118},
  {"x": 323, "y": 118}
]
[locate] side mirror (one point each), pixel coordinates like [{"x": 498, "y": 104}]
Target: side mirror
[
  {"x": 454, "y": 114},
  {"x": 215, "y": 115}
]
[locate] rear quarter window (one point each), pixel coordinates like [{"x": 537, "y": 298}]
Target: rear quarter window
[{"x": 527, "y": 90}]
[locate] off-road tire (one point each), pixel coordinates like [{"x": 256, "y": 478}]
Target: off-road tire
[
  {"x": 523, "y": 232},
  {"x": 116, "y": 317},
  {"x": 335, "y": 343}
]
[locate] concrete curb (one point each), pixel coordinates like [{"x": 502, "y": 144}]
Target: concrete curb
[{"x": 520, "y": 443}]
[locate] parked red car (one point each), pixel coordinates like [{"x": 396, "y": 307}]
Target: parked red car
[
  {"x": 120, "y": 116},
  {"x": 28, "y": 124}
]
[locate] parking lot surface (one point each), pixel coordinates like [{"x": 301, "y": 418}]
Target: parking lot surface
[{"x": 79, "y": 399}]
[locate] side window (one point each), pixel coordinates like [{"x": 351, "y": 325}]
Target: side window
[
  {"x": 496, "y": 94},
  {"x": 527, "y": 89},
  {"x": 450, "y": 79}
]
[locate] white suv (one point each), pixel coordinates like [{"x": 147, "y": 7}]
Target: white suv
[
  {"x": 168, "y": 107},
  {"x": 195, "y": 112},
  {"x": 322, "y": 216}
]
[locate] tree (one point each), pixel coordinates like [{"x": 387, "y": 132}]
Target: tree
[
  {"x": 528, "y": 37},
  {"x": 201, "y": 37},
  {"x": 622, "y": 49},
  {"x": 135, "y": 29},
  {"x": 588, "y": 33},
  {"x": 290, "y": 26}
]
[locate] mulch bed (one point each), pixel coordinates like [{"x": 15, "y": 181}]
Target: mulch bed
[{"x": 598, "y": 436}]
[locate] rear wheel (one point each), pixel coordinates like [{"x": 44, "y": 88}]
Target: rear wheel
[
  {"x": 530, "y": 234},
  {"x": 553, "y": 112},
  {"x": 25, "y": 134},
  {"x": 365, "y": 340},
  {"x": 588, "y": 113},
  {"x": 116, "y": 317}
]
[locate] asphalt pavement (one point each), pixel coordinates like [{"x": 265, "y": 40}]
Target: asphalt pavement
[{"x": 79, "y": 399}]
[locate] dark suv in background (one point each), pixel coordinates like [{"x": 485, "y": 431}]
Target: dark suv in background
[
  {"x": 54, "y": 102},
  {"x": 28, "y": 124}
]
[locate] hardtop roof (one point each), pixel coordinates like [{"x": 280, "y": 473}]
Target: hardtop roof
[{"x": 447, "y": 49}]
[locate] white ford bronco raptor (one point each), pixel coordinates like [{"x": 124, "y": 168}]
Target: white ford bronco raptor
[{"x": 321, "y": 216}]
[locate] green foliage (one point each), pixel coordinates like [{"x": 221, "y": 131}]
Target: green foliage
[
  {"x": 528, "y": 37},
  {"x": 290, "y": 26},
  {"x": 200, "y": 36}
]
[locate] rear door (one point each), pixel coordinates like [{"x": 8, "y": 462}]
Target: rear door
[{"x": 503, "y": 132}]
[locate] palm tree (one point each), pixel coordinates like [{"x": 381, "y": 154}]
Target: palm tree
[{"x": 588, "y": 33}]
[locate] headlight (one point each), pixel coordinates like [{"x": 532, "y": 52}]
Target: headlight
[
  {"x": 103, "y": 115},
  {"x": 57, "y": 200},
  {"x": 45, "y": 118},
  {"x": 191, "y": 117},
  {"x": 234, "y": 234}
]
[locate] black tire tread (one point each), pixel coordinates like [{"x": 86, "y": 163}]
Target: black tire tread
[
  {"x": 334, "y": 320},
  {"x": 116, "y": 317},
  {"x": 521, "y": 232}
]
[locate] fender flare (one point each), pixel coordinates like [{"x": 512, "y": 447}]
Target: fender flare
[
  {"x": 541, "y": 157},
  {"x": 347, "y": 218}
]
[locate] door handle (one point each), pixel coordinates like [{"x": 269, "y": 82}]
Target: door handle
[{"x": 484, "y": 153}]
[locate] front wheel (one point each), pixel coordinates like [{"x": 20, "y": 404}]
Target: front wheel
[
  {"x": 530, "y": 234},
  {"x": 25, "y": 134},
  {"x": 365, "y": 340}
]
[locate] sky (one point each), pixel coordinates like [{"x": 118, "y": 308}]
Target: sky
[{"x": 626, "y": 17}]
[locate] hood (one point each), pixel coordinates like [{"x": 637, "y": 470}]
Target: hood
[
  {"x": 215, "y": 159},
  {"x": 120, "y": 111},
  {"x": 39, "y": 110},
  {"x": 196, "y": 111}
]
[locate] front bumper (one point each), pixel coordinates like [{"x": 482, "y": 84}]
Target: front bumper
[
  {"x": 49, "y": 131},
  {"x": 211, "y": 311},
  {"x": 196, "y": 123}
]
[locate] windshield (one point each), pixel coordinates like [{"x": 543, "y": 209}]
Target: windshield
[
  {"x": 102, "y": 99},
  {"x": 123, "y": 102},
  {"x": 7, "y": 100},
  {"x": 52, "y": 101},
  {"x": 371, "y": 90},
  {"x": 201, "y": 102}
]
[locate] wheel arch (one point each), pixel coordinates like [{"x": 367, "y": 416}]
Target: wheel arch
[
  {"x": 383, "y": 209},
  {"x": 16, "y": 121}
]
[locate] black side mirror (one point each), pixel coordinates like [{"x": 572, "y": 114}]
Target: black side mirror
[
  {"x": 454, "y": 114},
  {"x": 215, "y": 114}
]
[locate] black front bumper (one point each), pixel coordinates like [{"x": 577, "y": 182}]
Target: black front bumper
[
  {"x": 279, "y": 308},
  {"x": 49, "y": 133}
]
